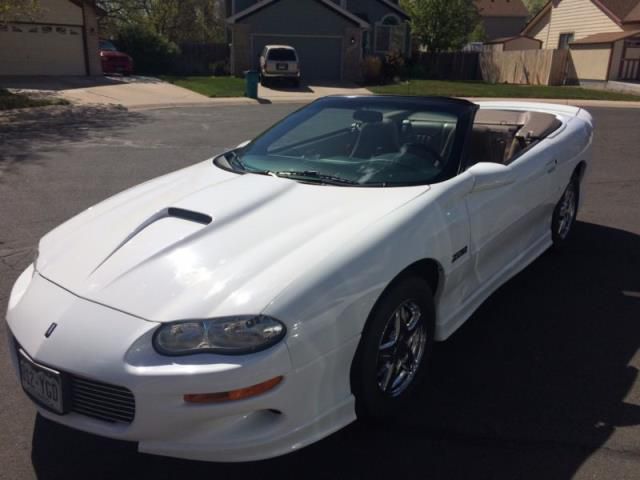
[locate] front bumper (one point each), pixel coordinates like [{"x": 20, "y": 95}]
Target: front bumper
[{"x": 106, "y": 345}]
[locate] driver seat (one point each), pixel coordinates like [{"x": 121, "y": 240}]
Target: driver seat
[{"x": 376, "y": 139}]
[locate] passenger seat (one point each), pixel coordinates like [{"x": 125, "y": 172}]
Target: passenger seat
[{"x": 377, "y": 139}]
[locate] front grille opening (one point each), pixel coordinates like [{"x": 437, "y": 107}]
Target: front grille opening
[
  {"x": 99, "y": 400},
  {"x": 102, "y": 401}
]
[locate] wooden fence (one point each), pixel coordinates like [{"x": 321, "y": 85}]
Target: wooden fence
[
  {"x": 202, "y": 59},
  {"x": 449, "y": 65},
  {"x": 525, "y": 67}
]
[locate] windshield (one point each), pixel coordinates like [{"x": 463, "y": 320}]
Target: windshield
[
  {"x": 282, "y": 55},
  {"x": 106, "y": 45},
  {"x": 362, "y": 141}
]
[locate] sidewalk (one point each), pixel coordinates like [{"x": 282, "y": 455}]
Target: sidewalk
[
  {"x": 144, "y": 93},
  {"x": 135, "y": 93}
]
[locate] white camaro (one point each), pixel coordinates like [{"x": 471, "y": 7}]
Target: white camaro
[{"x": 249, "y": 305}]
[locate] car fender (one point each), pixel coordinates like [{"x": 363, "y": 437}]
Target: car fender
[{"x": 329, "y": 305}]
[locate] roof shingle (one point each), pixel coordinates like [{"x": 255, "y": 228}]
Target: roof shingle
[
  {"x": 501, "y": 8},
  {"x": 619, "y": 8},
  {"x": 608, "y": 37}
]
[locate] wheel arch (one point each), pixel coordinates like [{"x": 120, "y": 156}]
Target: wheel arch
[
  {"x": 428, "y": 269},
  {"x": 580, "y": 170}
]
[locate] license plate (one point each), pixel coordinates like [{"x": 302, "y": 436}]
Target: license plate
[
  {"x": 42, "y": 384},
  {"x": 282, "y": 66}
]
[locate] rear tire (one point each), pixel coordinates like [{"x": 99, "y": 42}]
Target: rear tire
[
  {"x": 565, "y": 214},
  {"x": 397, "y": 341}
]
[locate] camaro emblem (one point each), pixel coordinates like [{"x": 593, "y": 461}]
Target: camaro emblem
[{"x": 50, "y": 330}]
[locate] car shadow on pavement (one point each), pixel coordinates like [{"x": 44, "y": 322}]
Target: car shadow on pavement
[
  {"x": 529, "y": 388},
  {"x": 26, "y": 134}
]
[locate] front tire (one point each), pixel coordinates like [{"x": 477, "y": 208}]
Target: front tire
[
  {"x": 565, "y": 214},
  {"x": 391, "y": 360}
]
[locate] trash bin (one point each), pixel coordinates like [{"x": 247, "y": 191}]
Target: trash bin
[{"x": 251, "y": 80}]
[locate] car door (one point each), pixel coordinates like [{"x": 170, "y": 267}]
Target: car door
[{"x": 509, "y": 213}]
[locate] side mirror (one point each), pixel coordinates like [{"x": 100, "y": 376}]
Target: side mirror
[{"x": 487, "y": 176}]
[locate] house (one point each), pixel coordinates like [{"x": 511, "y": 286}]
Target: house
[
  {"x": 603, "y": 36},
  {"x": 502, "y": 18},
  {"x": 331, "y": 36},
  {"x": 516, "y": 42},
  {"x": 61, "y": 39}
]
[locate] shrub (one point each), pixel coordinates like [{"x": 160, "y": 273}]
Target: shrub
[
  {"x": 393, "y": 66},
  {"x": 415, "y": 70},
  {"x": 219, "y": 68},
  {"x": 152, "y": 53},
  {"x": 372, "y": 69}
]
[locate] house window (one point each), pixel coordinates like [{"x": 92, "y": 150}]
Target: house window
[
  {"x": 565, "y": 40},
  {"x": 390, "y": 35}
]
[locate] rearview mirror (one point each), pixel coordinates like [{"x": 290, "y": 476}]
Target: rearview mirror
[{"x": 488, "y": 176}]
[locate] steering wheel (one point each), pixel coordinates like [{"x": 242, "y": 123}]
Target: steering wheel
[{"x": 423, "y": 152}]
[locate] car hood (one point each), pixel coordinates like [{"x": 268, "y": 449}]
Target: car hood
[{"x": 150, "y": 252}]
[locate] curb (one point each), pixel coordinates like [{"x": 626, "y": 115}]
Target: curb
[{"x": 237, "y": 101}]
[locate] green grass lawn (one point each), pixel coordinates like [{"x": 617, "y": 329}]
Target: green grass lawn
[
  {"x": 480, "y": 89},
  {"x": 10, "y": 100},
  {"x": 210, "y": 86}
]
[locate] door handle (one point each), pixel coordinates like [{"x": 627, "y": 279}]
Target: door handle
[{"x": 551, "y": 166}]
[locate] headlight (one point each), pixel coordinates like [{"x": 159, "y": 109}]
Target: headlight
[{"x": 227, "y": 336}]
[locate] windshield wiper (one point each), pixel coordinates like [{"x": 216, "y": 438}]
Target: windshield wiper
[{"x": 307, "y": 175}]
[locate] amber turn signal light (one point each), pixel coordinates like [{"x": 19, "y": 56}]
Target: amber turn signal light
[{"x": 239, "y": 394}]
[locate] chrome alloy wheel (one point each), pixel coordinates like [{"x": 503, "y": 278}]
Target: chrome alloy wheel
[
  {"x": 567, "y": 211},
  {"x": 401, "y": 349}
]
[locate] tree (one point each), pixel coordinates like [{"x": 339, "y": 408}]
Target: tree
[
  {"x": 479, "y": 34},
  {"x": 442, "y": 24},
  {"x": 534, "y": 6},
  {"x": 177, "y": 20},
  {"x": 18, "y": 9}
]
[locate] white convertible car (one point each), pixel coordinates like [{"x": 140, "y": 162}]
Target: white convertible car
[{"x": 252, "y": 304}]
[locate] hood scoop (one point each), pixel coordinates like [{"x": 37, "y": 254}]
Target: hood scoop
[
  {"x": 189, "y": 215},
  {"x": 171, "y": 212}
]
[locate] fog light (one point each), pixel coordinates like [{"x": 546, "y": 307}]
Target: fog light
[{"x": 239, "y": 394}]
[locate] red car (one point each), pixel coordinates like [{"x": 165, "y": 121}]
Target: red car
[{"x": 114, "y": 61}]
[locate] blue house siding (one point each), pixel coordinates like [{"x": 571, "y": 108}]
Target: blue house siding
[
  {"x": 373, "y": 9},
  {"x": 305, "y": 17},
  {"x": 330, "y": 42}
]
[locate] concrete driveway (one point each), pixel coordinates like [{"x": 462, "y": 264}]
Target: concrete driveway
[
  {"x": 135, "y": 92},
  {"x": 307, "y": 93},
  {"x": 138, "y": 92}
]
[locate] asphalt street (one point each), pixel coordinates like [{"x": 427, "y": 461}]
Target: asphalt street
[{"x": 542, "y": 382}]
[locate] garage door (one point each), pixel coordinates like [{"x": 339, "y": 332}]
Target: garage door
[
  {"x": 27, "y": 49},
  {"x": 321, "y": 58}
]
